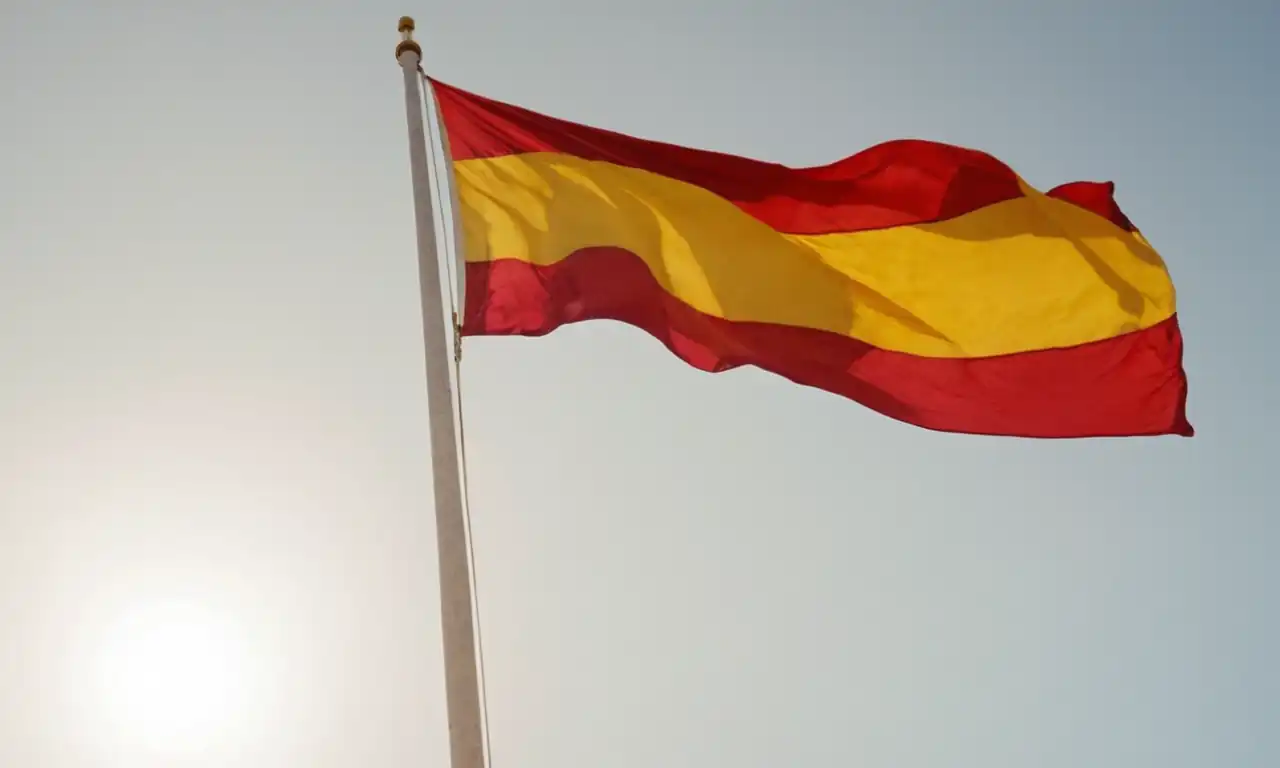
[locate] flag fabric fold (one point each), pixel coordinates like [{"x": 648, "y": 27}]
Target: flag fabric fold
[{"x": 925, "y": 281}]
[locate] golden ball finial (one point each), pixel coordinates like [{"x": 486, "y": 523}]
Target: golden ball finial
[{"x": 407, "y": 43}]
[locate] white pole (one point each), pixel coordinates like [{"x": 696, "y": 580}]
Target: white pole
[{"x": 462, "y": 687}]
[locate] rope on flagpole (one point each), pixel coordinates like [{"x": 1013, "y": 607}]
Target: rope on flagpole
[
  {"x": 450, "y": 244},
  {"x": 441, "y": 196},
  {"x": 471, "y": 555}
]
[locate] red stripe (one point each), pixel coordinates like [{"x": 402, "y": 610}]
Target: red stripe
[
  {"x": 1130, "y": 385},
  {"x": 901, "y": 182},
  {"x": 1096, "y": 196},
  {"x": 893, "y": 184}
]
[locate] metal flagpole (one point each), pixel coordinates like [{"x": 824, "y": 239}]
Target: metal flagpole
[{"x": 462, "y": 687}]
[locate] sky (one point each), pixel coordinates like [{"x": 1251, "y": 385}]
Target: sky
[{"x": 216, "y": 533}]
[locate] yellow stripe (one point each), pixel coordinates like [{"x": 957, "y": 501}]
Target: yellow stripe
[{"x": 1026, "y": 274}]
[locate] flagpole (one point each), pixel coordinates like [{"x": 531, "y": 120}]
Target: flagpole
[{"x": 462, "y": 687}]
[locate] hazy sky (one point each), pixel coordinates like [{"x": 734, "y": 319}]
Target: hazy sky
[{"x": 213, "y": 420}]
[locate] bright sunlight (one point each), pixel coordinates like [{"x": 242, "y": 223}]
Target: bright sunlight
[{"x": 171, "y": 676}]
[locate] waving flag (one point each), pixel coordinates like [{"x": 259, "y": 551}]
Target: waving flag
[{"x": 925, "y": 281}]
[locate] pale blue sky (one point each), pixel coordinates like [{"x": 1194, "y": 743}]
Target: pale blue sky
[{"x": 212, "y": 390}]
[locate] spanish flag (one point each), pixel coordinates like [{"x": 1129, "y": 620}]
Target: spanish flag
[{"x": 925, "y": 281}]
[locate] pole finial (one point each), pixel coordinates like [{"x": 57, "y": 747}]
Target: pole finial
[{"x": 407, "y": 43}]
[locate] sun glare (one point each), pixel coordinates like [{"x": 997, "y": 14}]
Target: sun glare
[{"x": 171, "y": 676}]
